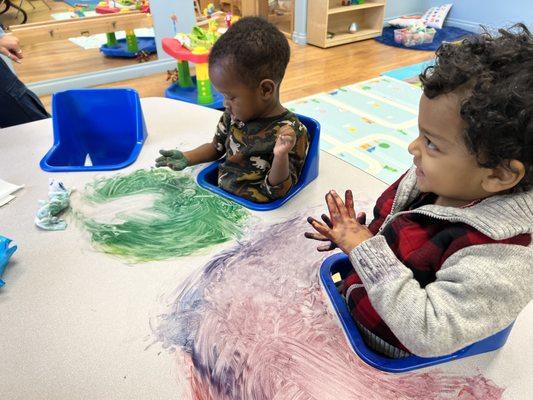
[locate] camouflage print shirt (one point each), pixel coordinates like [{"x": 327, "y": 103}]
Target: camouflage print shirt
[{"x": 249, "y": 150}]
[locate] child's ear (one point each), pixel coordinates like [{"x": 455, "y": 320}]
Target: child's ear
[
  {"x": 267, "y": 88},
  {"x": 504, "y": 177}
]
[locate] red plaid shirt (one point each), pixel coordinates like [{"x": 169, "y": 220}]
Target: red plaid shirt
[{"x": 422, "y": 243}]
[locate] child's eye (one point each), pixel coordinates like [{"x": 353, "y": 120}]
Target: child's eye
[{"x": 429, "y": 144}]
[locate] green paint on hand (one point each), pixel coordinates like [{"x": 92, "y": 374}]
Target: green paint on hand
[{"x": 182, "y": 219}]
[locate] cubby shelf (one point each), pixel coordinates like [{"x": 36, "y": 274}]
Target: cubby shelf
[{"x": 329, "y": 16}]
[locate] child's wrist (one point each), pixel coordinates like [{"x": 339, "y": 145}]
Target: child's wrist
[
  {"x": 282, "y": 155},
  {"x": 186, "y": 157}
]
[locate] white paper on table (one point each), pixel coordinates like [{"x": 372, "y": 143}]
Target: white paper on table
[
  {"x": 5, "y": 200},
  {"x": 7, "y": 188}
]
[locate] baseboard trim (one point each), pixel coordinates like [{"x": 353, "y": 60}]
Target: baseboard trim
[
  {"x": 299, "y": 37},
  {"x": 464, "y": 24}
]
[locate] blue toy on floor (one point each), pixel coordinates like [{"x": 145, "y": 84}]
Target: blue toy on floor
[
  {"x": 5, "y": 253},
  {"x": 120, "y": 50},
  {"x": 340, "y": 263},
  {"x": 208, "y": 177},
  {"x": 95, "y": 130}
]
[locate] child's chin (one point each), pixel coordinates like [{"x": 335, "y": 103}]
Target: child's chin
[{"x": 420, "y": 185}]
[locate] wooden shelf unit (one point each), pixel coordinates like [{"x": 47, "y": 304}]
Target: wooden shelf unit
[{"x": 325, "y": 16}]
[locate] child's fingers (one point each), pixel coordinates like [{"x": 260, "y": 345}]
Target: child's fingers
[
  {"x": 318, "y": 226},
  {"x": 315, "y": 236},
  {"x": 348, "y": 196},
  {"x": 339, "y": 205},
  {"x": 288, "y": 139},
  {"x": 286, "y": 135},
  {"x": 327, "y": 247},
  {"x": 361, "y": 218},
  {"x": 166, "y": 153},
  {"x": 161, "y": 159},
  {"x": 332, "y": 208},
  {"x": 326, "y": 219},
  {"x": 286, "y": 130}
]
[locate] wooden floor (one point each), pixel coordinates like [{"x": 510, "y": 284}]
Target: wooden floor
[{"x": 311, "y": 69}]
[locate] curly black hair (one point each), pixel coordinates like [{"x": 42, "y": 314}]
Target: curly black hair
[
  {"x": 496, "y": 75},
  {"x": 255, "y": 48}
]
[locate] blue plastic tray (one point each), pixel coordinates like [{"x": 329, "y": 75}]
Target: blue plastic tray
[
  {"x": 190, "y": 95},
  {"x": 146, "y": 44},
  {"x": 103, "y": 125},
  {"x": 208, "y": 177},
  {"x": 340, "y": 263}
]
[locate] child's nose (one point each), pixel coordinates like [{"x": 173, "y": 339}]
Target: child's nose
[{"x": 413, "y": 147}]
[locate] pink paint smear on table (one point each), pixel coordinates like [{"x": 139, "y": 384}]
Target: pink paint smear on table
[{"x": 255, "y": 324}]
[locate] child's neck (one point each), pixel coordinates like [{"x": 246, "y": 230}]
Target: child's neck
[
  {"x": 273, "y": 110},
  {"x": 449, "y": 202}
]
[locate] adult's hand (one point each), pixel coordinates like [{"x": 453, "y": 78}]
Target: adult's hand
[{"x": 10, "y": 47}]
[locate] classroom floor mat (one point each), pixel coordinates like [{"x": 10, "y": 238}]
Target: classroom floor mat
[
  {"x": 368, "y": 124},
  {"x": 409, "y": 73}
]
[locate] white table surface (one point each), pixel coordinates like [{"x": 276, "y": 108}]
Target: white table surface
[{"x": 74, "y": 323}]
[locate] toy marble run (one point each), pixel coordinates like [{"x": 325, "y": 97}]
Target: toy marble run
[{"x": 194, "y": 48}]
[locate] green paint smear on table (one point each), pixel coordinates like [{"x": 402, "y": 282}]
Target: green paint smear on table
[{"x": 182, "y": 219}]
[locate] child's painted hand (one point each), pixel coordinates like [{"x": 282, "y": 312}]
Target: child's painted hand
[
  {"x": 285, "y": 141},
  {"x": 174, "y": 159},
  {"x": 344, "y": 229}
]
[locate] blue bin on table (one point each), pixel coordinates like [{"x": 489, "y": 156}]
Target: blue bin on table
[
  {"x": 208, "y": 177},
  {"x": 340, "y": 263},
  {"x": 105, "y": 126}
]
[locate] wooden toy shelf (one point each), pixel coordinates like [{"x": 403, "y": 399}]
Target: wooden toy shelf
[{"x": 325, "y": 16}]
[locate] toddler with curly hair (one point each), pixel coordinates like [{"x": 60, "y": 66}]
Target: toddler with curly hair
[{"x": 447, "y": 259}]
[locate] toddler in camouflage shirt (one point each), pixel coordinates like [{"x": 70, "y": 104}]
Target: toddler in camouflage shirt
[{"x": 264, "y": 144}]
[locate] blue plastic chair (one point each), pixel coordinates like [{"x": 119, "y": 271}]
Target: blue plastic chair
[
  {"x": 340, "y": 263},
  {"x": 107, "y": 125},
  {"x": 208, "y": 177},
  {"x": 5, "y": 253}
]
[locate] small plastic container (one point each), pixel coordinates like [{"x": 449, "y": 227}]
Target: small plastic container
[
  {"x": 95, "y": 130},
  {"x": 414, "y": 37}
]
